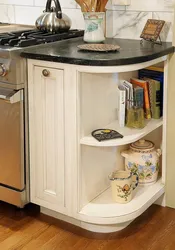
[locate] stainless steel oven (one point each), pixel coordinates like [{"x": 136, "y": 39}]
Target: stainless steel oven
[{"x": 12, "y": 151}]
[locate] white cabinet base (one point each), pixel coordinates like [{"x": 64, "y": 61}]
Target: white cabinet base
[
  {"x": 69, "y": 175},
  {"x": 87, "y": 226},
  {"x": 107, "y": 218},
  {"x": 104, "y": 228}
]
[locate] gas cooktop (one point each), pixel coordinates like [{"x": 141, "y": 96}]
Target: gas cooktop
[{"x": 26, "y": 38}]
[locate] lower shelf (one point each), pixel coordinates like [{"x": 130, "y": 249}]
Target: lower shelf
[{"x": 102, "y": 210}]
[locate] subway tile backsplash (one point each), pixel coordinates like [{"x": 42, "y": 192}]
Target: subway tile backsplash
[{"x": 124, "y": 22}]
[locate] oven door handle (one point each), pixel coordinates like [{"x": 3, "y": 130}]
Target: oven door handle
[
  {"x": 16, "y": 97},
  {"x": 13, "y": 97}
]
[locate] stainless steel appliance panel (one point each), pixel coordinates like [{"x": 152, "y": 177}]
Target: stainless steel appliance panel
[
  {"x": 13, "y": 197},
  {"x": 12, "y": 71},
  {"x": 12, "y": 139}
]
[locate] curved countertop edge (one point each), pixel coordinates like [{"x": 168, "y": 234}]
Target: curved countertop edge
[
  {"x": 77, "y": 61},
  {"x": 66, "y": 51}
]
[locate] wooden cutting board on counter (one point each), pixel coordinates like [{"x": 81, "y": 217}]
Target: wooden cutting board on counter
[{"x": 14, "y": 27}]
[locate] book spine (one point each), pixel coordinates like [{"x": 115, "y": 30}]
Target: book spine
[
  {"x": 122, "y": 108},
  {"x": 151, "y": 72},
  {"x": 152, "y": 76},
  {"x": 154, "y": 68},
  {"x": 157, "y": 107},
  {"x": 158, "y": 76},
  {"x": 139, "y": 97},
  {"x": 151, "y": 97},
  {"x": 147, "y": 108},
  {"x": 154, "y": 93}
]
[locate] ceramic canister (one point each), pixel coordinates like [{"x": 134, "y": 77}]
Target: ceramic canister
[
  {"x": 123, "y": 183},
  {"x": 94, "y": 27},
  {"x": 142, "y": 158}
]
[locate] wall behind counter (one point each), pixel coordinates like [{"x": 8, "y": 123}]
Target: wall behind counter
[{"x": 124, "y": 22}]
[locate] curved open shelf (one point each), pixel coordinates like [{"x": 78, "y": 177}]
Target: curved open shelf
[
  {"x": 130, "y": 135},
  {"x": 102, "y": 210}
]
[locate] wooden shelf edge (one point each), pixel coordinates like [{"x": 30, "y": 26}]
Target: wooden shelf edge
[
  {"x": 151, "y": 126},
  {"x": 156, "y": 191}
]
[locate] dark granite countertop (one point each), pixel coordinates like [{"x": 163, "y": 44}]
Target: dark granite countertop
[{"x": 66, "y": 51}]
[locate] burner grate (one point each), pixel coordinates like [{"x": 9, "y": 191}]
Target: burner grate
[
  {"x": 5, "y": 38},
  {"x": 35, "y": 37},
  {"x": 50, "y": 37}
]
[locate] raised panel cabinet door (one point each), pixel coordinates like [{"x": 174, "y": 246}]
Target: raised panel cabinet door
[{"x": 46, "y": 134}]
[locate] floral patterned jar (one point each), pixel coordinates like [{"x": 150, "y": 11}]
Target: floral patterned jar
[
  {"x": 94, "y": 27},
  {"x": 142, "y": 158}
]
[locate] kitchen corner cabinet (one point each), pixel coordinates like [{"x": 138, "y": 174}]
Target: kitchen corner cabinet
[{"x": 69, "y": 168}]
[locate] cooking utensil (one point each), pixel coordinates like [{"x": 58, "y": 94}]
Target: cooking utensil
[
  {"x": 98, "y": 6},
  {"x": 93, "y": 5},
  {"x": 53, "y": 20},
  {"x": 87, "y": 6},
  {"x": 102, "y": 5},
  {"x": 82, "y": 5}
]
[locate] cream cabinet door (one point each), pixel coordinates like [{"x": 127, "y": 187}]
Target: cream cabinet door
[
  {"x": 170, "y": 143},
  {"x": 46, "y": 135}
]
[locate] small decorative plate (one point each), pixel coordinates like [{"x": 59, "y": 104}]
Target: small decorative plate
[
  {"x": 106, "y": 134},
  {"x": 99, "y": 47}
]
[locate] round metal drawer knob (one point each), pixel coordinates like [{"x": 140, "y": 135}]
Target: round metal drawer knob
[{"x": 46, "y": 72}]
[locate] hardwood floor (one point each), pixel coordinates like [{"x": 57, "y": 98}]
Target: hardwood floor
[{"x": 29, "y": 230}]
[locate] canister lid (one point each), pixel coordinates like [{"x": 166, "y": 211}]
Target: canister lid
[{"x": 142, "y": 145}]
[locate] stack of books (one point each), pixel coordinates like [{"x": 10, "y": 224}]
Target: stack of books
[{"x": 145, "y": 92}]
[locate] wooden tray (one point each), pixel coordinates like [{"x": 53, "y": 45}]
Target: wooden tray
[{"x": 99, "y": 47}]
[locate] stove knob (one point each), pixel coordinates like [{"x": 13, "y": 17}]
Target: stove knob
[{"x": 3, "y": 70}]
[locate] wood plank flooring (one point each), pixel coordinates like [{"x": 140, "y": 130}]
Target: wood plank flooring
[{"x": 29, "y": 230}]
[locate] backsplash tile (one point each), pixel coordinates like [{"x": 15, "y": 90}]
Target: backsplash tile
[
  {"x": 129, "y": 24},
  {"x": 64, "y": 3},
  {"x": 17, "y": 2},
  {"x": 122, "y": 21},
  {"x": 148, "y": 5},
  {"x": 22, "y": 13},
  {"x": 27, "y": 15},
  {"x": 167, "y": 32},
  {"x": 7, "y": 13},
  {"x": 76, "y": 17},
  {"x": 109, "y": 23}
]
